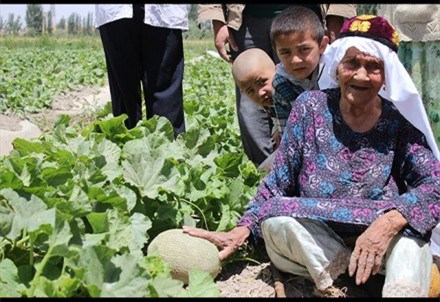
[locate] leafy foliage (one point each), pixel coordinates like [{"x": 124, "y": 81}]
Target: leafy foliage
[
  {"x": 77, "y": 199},
  {"x": 31, "y": 77}
]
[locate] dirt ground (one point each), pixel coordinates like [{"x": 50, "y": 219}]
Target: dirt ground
[{"x": 243, "y": 279}]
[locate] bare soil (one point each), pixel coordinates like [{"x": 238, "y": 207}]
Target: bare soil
[
  {"x": 244, "y": 279},
  {"x": 81, "y": 104}
]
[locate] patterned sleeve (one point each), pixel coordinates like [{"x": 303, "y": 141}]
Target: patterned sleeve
[
  {"x": 421, "y": 170},
  {"x": 284, "y": 173}
]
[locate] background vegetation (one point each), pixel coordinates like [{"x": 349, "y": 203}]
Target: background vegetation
[
  {"x": 38, "y": 23},
  {"x": 94, "y": 195},
  {"x": 84, "y": 196}
]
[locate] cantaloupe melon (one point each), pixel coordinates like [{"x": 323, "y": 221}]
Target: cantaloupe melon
[
  {"x": 184, "y": 252},
  {"x": 434, "y": 289}
]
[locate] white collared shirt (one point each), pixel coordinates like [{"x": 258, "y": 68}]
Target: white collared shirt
[{"x": 159, "y": 15}]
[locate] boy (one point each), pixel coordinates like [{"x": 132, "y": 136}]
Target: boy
[{"x": 298, "y": 38}]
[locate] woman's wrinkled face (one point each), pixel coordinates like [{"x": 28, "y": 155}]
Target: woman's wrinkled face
[{"x": 360, "y": 76}]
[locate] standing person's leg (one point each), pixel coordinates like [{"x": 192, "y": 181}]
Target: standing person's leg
[
  {"x": 163, "y": 61},
  {"x": 121, "y": 50},
  {"x": 254, "y": 122}
]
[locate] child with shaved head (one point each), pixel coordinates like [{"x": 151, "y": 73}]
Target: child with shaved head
[{"x": 253, "y": 72}]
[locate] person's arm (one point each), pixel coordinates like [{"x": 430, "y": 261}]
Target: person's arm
[
  {"x": 418, "y": 167},
  {"x": 228, "y": 242},
  {"x": 222, "y": 36},
  {"x": 209, "y": 12},
  {"x": 419, "y": 207}
]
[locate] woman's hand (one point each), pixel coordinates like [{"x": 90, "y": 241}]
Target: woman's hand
[
  {"x": 228, "y": 242},
  {"x": 372, "y": 245}
]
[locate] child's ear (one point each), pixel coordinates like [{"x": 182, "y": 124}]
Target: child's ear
[{"x": 323, "y": 45}]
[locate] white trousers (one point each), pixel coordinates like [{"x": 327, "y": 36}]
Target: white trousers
[{"x": 311, "y": 249}]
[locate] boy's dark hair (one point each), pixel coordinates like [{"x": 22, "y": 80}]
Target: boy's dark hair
[{"x": 296, "y": 18}]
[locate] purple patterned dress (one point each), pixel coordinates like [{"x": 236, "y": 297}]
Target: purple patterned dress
[{"x": 324, "y": 170}]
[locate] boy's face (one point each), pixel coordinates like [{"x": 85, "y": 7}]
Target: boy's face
[
  {"x": 299, "y": 53},
  {"x": 257, "y": 85}
]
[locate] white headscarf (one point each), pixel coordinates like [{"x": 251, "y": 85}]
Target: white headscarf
[{"x": 398, "y": 88}]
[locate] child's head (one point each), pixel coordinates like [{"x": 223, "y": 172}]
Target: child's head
[
  {"x": 253, "y": 71},
  {"x": 298, "y": 38}
]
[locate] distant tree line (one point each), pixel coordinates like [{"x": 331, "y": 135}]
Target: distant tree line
[{"x": 39, "y": 22}]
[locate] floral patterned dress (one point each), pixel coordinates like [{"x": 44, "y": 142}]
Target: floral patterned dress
[{"x": 326, "y": 171}]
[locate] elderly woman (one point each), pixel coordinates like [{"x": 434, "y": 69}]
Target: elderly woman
[{"x": 351, "y": 167}]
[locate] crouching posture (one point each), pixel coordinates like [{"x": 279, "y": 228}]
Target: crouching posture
[{"x": 357, "y": 163}]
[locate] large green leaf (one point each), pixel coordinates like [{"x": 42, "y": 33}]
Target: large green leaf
[
  {"x": 10, "y": 285},
  {"x": 97, "y": 257},
  {"x": 201, "y": 284},
  {"x": 164, "y": 287},
  {"x": 229, "y": 164},
  {"x": 128, "y": 232},
  {"x": 128, "y": 278},
  {"x": 63, "y": 287},
  {"x": 151, "y": 174},
  {"x": 27, "y": 214}
]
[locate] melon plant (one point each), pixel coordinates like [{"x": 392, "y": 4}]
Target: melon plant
[
  {"x": 94, "y": 197},
  {"x": 184, "y": 252}
]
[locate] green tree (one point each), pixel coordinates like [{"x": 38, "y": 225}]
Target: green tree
[
  {"x": 49, "y": 23},
  {"x": 74, "y": 24},
  {"x": 88, "y": 25},
  {"x": 13, "y": 25},
  {"x": 192, "y": 14},
  {"x": 78, "y": 24},
  {"x": 2, "y": 25},
  {"x": 369, "y": 9},
  {"x": 62, "y": 23},
  {"x": 34, "y": 19}
]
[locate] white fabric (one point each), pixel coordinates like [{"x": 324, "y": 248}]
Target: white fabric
[
  {"x": 413, "y": 22},
  {"x": 311, "y": 249},
  {"x": 408, "y": 268},
  {"x": 159, "y": 15},
  {"x": 305, "y": 247},
  {"x": 399, "y": 88}
]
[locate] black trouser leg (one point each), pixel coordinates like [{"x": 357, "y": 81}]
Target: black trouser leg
[
  {"x": 164, "y": 66},
  {"x": 124, "y": 66}
]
